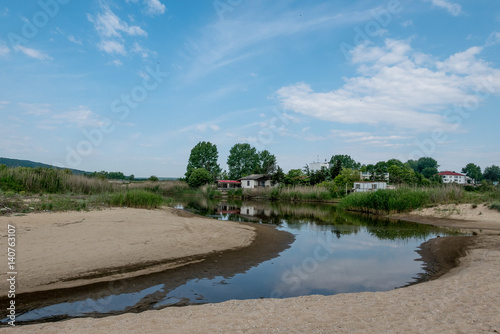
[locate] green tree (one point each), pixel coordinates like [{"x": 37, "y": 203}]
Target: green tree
[
  {"x": 400, "y": 175},
  {"x": 296, "y": 177},
  {"x": 267, "y": 163},
  {"x": 429, "y": 172},
  {"x": 394, "y": 162},
  {"x": 473, "y": 171},
  {"x": 199, "y": 177},
  {"x": 336, "y": 169},
  {"x": 131, "y": 177},
  {"x": 426, "y": 162},
  {"x": 278, "y": 176},
  {"x": 413, "y": 164},
  {"x": 347, "y": 177},
  {"x": 204, "y": 155},
  {"x": 492, "y": 173},
  {"x": 346, "y": 161},
  {"x": 153, "y": 178},
  {"x": 243, "y": 160}
]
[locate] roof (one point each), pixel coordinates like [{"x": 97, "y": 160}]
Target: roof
[
  {"x": 450, "y": 173},
  {"x": 255, "y": 177},
  {"x": 228, "y": 181}
]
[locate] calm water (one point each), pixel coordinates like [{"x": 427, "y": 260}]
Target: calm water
[{"x": 332, "y": 253}]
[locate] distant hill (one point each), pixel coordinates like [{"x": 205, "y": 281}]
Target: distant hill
[{"x": 27, "y": 163}]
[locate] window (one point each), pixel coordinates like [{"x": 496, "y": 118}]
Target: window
[
  {"x": 374, "y": 186},
  {"x": 358, "y": 186},
  {"x": 248, "y": 183}
]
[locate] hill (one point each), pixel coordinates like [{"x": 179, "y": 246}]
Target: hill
[{"x": 27, "y": 163}]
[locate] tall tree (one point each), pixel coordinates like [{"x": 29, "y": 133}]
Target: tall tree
[
  {"x": 204, "y": 155},
  {"x": 492, "y": 173},
  {"x": 267, "y": 162},
  {"x": 426, "y": 162},
  {"x": 278, "y": 176},
  {"x": 243, "y": 160},
  {"x": 346, "y": 160},
  {"x": 473, "y": 171},
  {"x": 336, "y": 169}
]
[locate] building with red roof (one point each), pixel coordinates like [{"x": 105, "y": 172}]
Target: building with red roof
[{"x": 453, "y": 177}]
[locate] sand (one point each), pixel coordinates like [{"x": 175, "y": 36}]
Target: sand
[
  {"x": 68, "y": 249},
  {"x": 465, "y": 300}
]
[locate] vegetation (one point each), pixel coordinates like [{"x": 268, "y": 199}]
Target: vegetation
[
  {"x": 294, "y": 193},
  {"x": 199, "y": 177},
  {"x": 204, "y": 155},
  {"x": 405, "y": 199},
  {"x": 244, "y": 160},
  {"x": 137, "y": 198}
]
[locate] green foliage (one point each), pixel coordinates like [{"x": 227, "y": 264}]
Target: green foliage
[
  {"x": 267, "y": 163},
  {"x": 403, "y": 199},
  {"x": 347, "y": 177},
  {"x": 199, "y": 177},
  {"x": 294, "y": 193},
  {"x": 336, "y": 169},
  {"x": 345, "y": 160},
  {"x": 243, "y": 160},
  {"x": 429, "y": 172},
  {"x": 279, "y": 176},
  {"x": 153, "y": 178},
  {"x": 495, "y": 206},
  {"x": 492, "y": 173},
  {"x": 136, "y": 198},
  {"x": 204, "y": 155},
  {"x": 473, "y": 171},
  {"x": 296, "y": 177}
]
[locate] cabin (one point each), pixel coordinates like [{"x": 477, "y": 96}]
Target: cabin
[
  {"x": 256, "y": 181},
  {"x": 365, "y": 186},
  {"x": 225, "y": 185}
]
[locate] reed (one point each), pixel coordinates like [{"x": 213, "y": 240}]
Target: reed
[
  {"x": 403, "y": 199},
  {"x": 296, "y": 193}
]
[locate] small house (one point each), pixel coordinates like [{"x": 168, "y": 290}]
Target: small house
[
  {"x": 255, "y": 181},
  {"x": 366, "y": 186}
]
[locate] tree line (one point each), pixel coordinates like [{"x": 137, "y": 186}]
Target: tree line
[{"x": 243, "y": 160}]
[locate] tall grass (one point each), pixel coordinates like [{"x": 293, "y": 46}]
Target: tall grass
[
  {"x": 297, "y": 193},
  {"x": 163, "y": 187},
  {"x": 136, "y": 198},
  {"x": 45, "y": 180},
  {"x": 403, "y": 199}
]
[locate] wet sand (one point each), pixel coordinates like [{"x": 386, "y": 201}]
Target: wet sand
[{"x": 463, "y": 300}]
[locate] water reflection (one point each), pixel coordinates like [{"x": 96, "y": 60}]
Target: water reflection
[{"x": 333, "y": 252}]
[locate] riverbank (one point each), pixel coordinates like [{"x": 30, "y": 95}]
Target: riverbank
[
  {"x": 69, "y": 249},
  {"x": 465, "y": 300}
]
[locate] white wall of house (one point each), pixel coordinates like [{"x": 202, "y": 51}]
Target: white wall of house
[
  {"x": 250, "y": 184},
  {"x": 460, "y": 179},
  {"x": 367, "y": 175},
  {"x": 369, "y": 186},
  {"x": 315, "y": 166}
]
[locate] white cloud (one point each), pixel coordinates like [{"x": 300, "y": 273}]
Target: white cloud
[
  {"x": 117, "y": 62},
  {"x": 154, "y": 7},
  {"x": 108, "y": 24},
  {"x": 4, "y": 49},
  {"x": 3, "y": 104},
  {"x": 72, "y": 39},
  {"x": 37, "y": 109},
  {"x": 408, "y": 23},
  {"x": 493, "y": 39},
  {"x": 33, "y": 53},
  {"x": 112, "y": 47},
  {"x": 453, "y": 8},
  {"x": 396, "y": 86},
  {"x": 81, "y": 117}
]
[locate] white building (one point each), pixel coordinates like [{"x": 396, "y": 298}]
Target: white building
[
  {"x": 316, "y": 166},
  {"x": 368, "y": 175},
  {"x": 452, "y": 177},
  {"x": 256, "y": 181},
  {"x": 369, "y": 186}
]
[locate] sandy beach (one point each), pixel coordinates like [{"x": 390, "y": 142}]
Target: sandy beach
[{"x": 464, "y": 300}]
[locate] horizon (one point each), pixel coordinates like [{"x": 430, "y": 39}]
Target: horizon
[{"x": 133, "y": 86}]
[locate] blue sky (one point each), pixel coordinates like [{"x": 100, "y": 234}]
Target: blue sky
[{"x": 133, "y": 85}]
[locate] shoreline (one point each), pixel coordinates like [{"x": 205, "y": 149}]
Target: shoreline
[{"x": 462, "y": 299}]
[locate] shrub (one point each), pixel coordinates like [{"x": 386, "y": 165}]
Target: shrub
[{"x": 199, "y": 177}]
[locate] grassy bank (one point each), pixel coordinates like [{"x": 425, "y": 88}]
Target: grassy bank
[
  {"x": 297, "y": 193},
  {"x": 406, "y": 199},
  {"x": 24, "y": 190}
]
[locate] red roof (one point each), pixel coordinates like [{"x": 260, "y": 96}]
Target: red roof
[
  {"x": 228, "y": 181},
  {"x": 450, "y": 173}
]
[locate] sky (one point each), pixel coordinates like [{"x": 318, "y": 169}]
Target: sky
[{"x": 134, "y": 85}]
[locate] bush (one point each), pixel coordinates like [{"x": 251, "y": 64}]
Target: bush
[
  {"x": 136, "y": 198},
  {"x": 199, "y": 177}
]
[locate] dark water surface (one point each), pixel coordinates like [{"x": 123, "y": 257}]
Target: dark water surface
[{"x": 332, "y": 253}]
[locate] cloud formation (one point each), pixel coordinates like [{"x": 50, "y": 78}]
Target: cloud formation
[
  {"x": 33, "y": 53},
  {"x": 397, "y": 86},
  {"x": 454, "y": 8}
]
